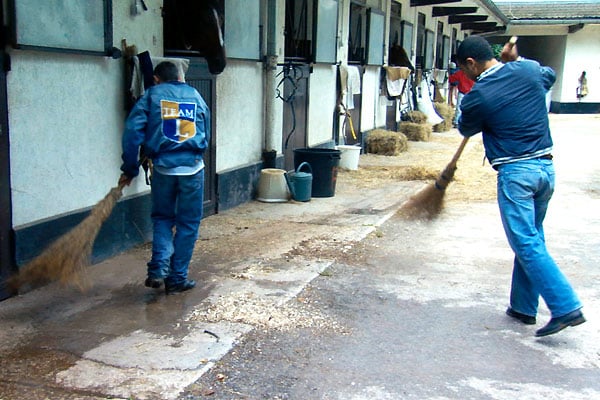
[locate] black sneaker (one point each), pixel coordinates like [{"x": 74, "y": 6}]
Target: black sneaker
[
  {"x": 182, "y": 287},
  {"x": 153, "y": 283},
  {"x": 526, "y": 319}
]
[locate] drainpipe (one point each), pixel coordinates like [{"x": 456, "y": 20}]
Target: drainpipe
[{"x": 272, "y": 140}]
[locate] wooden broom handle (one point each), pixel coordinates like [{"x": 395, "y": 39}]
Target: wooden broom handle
[{"x": 459, "y": 151}]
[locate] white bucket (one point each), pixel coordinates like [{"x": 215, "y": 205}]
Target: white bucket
[
  {"x": 349, "y": 156},
  {"x": 272, "y": 186}
]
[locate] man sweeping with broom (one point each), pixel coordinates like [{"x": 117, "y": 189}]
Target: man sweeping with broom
[
  {"x": 507, "y": 104},
  {"x": 172, "y": 121}
]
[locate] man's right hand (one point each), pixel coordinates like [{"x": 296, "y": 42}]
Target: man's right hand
[
  {"x": 509, "y": 52},
  {"x": 125, "y": 180}
]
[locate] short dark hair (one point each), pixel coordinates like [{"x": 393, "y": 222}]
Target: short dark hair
[
  {"x": 474, "y": 47},
  {"x": 166, "y": 71}
]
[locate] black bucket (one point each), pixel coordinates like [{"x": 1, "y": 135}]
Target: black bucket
[{"x": 324, "y": 164}]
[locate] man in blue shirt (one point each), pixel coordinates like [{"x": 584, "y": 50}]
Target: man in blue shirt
[
  {"x": 507, "y": 104},
  {"x": 172, "y": 121}
]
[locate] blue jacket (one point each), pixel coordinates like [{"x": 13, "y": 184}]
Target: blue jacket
[
  {"x": 172, "y": 121},
  {"x": 508, "y": 105}
]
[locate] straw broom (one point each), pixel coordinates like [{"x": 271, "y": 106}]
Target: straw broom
[
  {"x": 66, "y": 258},
  {"x": 429, "y": 201}
]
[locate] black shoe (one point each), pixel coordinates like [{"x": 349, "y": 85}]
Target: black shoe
[
  {"x": 555, "y": 325},
  {"x": 182, "y": 287},
  {"x": 526, "y": 319},
  {"x": 153, "y": 283}
]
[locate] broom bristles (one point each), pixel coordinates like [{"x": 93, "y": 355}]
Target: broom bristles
[
  {"x": 429, "y": 201},
  {"x": 66, "y": 258}
]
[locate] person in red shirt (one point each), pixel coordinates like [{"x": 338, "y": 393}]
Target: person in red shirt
[{"x": 464, "y": 85}]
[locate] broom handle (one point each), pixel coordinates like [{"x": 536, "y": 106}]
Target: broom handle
[
  {"x": 459, "y": 151},
  {"x": 448, "y": 173}
]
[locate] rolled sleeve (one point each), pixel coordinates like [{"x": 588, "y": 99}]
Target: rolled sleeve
[{"x": 548, "y": 77}]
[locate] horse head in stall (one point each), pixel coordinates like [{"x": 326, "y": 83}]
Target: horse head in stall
[
  {"x": 193, "y": 27},
  {"x": 398, "y": 57}
]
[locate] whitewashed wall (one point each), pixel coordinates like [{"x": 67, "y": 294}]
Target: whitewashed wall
[
  {"x": 554, "y": 59},
  {"x": 66, "y": 118},
  {"x": 582, "y": 54},
  {"x": 239, "y": 114}
]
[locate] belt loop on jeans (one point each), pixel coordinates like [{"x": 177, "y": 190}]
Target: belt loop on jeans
[{"x": 546, "y": 157}]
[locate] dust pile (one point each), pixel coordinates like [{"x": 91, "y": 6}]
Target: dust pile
[
  {"x": 266, "y": 313},
  {"x": 66, "y": 258}
]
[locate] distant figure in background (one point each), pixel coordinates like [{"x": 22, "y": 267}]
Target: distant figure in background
[
  {"x": 464, "y": 84},
  {"x": 582, "y": 89}
]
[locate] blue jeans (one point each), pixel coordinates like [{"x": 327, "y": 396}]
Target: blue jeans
[
  {"x": 524, "y": 190},
  {"x": 177, "y": 203}
]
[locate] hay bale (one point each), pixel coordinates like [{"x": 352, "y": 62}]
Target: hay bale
[
  {"x": 447, "y": 113},
  {"x": 418, "y": 117},
  {"x": 387, "y": 143},
  {"x": 416, "y": 132}
]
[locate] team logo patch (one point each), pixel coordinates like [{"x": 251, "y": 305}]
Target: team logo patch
[{"x": 178, "y": 120}]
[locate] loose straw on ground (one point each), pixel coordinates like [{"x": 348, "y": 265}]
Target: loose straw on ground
[
  {"x": 429, "y": 201},
  {"x": 66, "y": 258}
]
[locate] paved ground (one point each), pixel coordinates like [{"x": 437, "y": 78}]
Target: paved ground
[
  {"x": 335, "y": 299},
  {"x": 416, "y": 310}
]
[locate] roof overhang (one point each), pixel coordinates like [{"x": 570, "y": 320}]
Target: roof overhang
[{"x": 554, "y": 21}]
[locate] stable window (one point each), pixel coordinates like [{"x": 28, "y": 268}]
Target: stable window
[
  {"x": 358, "y": 33},
  {"x": 70, "y": 26},
  {"x": 420, "y": 51},
  {"x": 439, "y": 46},
  {"x": 242, "y": 29},
  {"x": 429, "y": 46},
  {"x": 367, "y": 29},
  {"x": 445, "y": 52},
  {"x": 326, "y": 34},
  {"x": 311, "y": 30},
  {"x": 298, "y": 30},
  {"x": 376, "y": 23},
  {"x": 407, "y": 37},
  {"x": 395, "y": 25},
  {"x": 240, "y": 23},
  {"x": 454, "y": 42}
]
